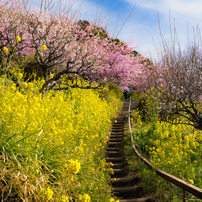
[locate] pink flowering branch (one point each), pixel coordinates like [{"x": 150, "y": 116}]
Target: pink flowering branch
[{"x": 61, "y": 46}]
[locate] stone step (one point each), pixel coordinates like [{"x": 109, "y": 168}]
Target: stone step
[
  {"x": 117, "y": 130},
  {"x": 115, "y": 136},
  {"x": 118, "y": 126},
  {"x": 125, "y": 181},
  {"x": 115, "y": 159},
  {"x": 118, "y": 121},
  {"x": 128, "y": 192},
  {"x": 115, "y": 139},
  {"x": 145, "y": 199},
  {"x": 115, "y": 144},
  {"x": 114, "y": 148},
  {"x": 116, "y": 133},
  {"x": 114, "y": 153},
  {"x": 120, "y": 172},
  {"x": 120, "y": 165}
]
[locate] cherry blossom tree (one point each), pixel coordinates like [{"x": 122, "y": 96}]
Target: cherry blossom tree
[{"x": 60, "y": 47}]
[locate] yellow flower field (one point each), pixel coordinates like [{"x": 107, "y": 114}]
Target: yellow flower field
[
  {"x": 173, "y": 148},
  {"x": 52, "y": 146}
]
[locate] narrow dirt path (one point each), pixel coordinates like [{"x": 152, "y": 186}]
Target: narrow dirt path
[{"x": 125, "y": 187}]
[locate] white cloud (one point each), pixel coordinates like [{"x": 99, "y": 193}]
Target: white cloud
[
  {"x": 190, "y": 9},
  {"x": 184, "y": 7},
  {"x": 181, "y": 15}
]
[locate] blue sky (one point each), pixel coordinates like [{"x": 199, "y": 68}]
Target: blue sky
[{"x": 143, "y": 24}]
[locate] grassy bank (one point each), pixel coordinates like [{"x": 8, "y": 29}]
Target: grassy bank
[
  {"x": 52, "y": 146},
  {"x": 173, "y": 148}
]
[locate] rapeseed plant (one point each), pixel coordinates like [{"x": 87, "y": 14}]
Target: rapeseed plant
[
  {"x": 5, "y": 49},
  {"x": 47, "y": 194},
  {"x": 113, "y": 200},
  {"x": 56, "y": 142},
  {"x": 65, "y": 198},
  {"x": 84, "y": 198},
  {"x": 44, "y": 47},
  {"x": 74, "y": 166},
  {"x": 18, "y": 38},
  {"x": 173, "y": 148}
]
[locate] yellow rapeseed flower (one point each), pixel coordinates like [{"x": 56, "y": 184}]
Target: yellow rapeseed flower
[
  {"x": 65, "y": 198},
  {"x": 84, "y": 198},
  {"x": 44, "y": 47},
  {"x": 51, "y": 76},
  {"x": 47, "y": 194},
  {"x": 74, "y": 166},
  {"x": 191, "y": 181},
  {"x": 5, "y": 49},
  {"x": 20, "y": 75},
  {"x": 112, "y": 200},
  {"x": 18, "y": 38}
]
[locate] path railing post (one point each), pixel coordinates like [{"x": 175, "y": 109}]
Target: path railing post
[{"x": 184, "y": 195}]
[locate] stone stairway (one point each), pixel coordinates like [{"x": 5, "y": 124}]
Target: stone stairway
[{"x": 124, "y": 186}]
